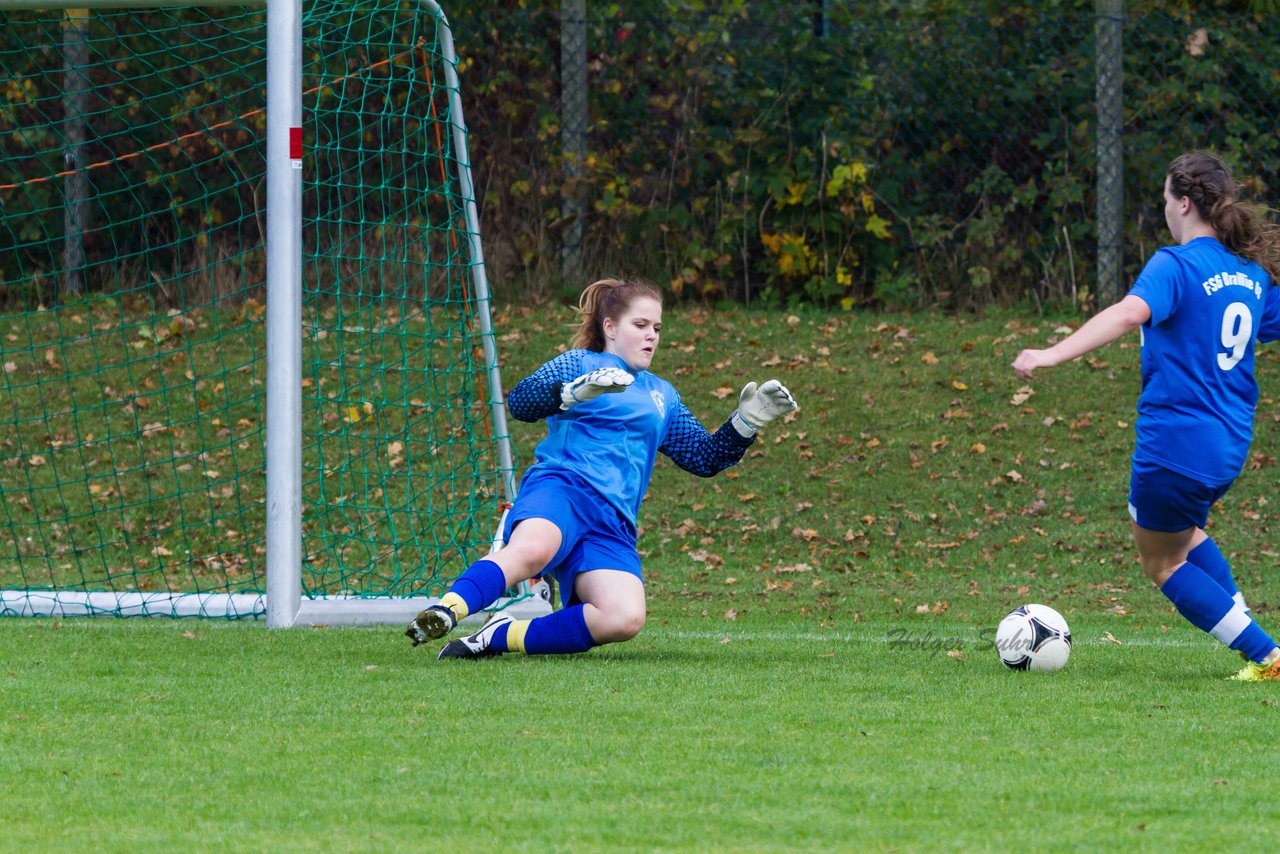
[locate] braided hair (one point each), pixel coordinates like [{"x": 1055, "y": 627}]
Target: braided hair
[{"x": 1244, "y": 229}]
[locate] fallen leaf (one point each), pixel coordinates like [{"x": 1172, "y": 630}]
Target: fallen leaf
[{"x": 1197, "y": 41}]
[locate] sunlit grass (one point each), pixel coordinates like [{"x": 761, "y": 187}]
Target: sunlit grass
[{"x": 814, "y": 672}]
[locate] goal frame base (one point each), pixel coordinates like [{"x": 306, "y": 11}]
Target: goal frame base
[{"x": 317, "y": 611}]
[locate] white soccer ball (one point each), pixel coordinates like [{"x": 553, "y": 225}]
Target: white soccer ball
[{"x": 1033, "y": 637}]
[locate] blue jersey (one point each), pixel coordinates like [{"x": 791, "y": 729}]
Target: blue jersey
[
  {"x": 1208, "y": 307},
  {"x": 612, "y": 441}
]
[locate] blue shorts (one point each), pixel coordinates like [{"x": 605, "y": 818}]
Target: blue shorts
[
  {"x": 1163, "y": 500},
  {"x": 593, "y": 535}
]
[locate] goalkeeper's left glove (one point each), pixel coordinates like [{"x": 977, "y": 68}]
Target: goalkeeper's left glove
[{"x": 758, "y": 406}]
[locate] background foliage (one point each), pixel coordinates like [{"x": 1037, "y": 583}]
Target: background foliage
[
  {"x": 890, "y": 153},
  {"x": 866, "y": 153}
]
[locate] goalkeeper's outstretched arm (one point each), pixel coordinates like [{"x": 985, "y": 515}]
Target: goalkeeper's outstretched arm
[
  {"x": 691, "y": 447},
  {"x": 561, "y": 384}
]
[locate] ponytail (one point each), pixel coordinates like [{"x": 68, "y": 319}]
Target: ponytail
[
  {"x": 1244, "y": 229},
  {"x": 607, "y": 298}
]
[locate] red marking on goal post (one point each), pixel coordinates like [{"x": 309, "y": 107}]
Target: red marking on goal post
[
  {"x": 220, "y": 126},
  {"x": 295, "y": 143}
]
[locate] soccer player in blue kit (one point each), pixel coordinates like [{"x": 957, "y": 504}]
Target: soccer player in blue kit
[
  {"x": 1201, "y": 306},
  {"x": 575, "y": 515}
]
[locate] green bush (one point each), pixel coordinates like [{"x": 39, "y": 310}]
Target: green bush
[
  {"x": 893, "y": 153},
  {"x": 833, "y": 153}
]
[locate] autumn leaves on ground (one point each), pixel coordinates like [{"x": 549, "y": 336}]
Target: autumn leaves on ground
[
  {"x": 921, "y": 479},
  {"x": 816, "y": 672}
]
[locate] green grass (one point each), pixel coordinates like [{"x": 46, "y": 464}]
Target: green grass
[
  {"x": 765, "y": 735},
  {"x": 793, "y": 688}
]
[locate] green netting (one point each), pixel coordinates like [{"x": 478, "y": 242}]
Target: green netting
[{"x": 132, "y": 211}]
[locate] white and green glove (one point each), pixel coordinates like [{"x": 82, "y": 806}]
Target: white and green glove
[
  {"x": 758, "y": 406},
  {"x": 591, "y": 385}
]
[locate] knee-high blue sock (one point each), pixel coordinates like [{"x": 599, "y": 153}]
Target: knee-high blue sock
[
  {"x": 564, "y": 631},
  {"x": 1211, "y": 609},
  {"x": 479, "y": 586},
  {"x": 1210, "y": 558}
]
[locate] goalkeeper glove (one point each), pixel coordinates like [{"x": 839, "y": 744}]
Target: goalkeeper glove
[
  {"x": 758, "y": 406},
  {"x": 591, "y": 385}
]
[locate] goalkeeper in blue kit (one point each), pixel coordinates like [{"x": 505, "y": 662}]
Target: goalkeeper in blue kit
[
  {"x": 574, "y": 517},
  {"x": 1201, "y": 306}
]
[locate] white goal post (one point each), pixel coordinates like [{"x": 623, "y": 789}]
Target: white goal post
[{"x": 283, "y": 603}]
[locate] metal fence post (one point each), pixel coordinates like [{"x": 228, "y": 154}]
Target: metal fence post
[
  {"x": 573, "y": 130},
  {"x": 76, "y": 86},
  {"x": 1109, "y": 59}
]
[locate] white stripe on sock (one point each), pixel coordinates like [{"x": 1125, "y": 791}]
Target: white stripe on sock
[{"x": 1231, "y": 625}]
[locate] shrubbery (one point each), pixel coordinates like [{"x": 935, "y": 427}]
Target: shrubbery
[
  {"x": 913, "y": 153},
  {"x": 840, "y": 153}
]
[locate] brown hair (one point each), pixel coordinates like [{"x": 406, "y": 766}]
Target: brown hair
[
  {"x": 1244, "y": 229},
  {"x": 607, "y": 298}
]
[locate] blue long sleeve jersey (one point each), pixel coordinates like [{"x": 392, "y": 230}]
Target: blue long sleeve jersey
[{"x": 611, "y": 442}]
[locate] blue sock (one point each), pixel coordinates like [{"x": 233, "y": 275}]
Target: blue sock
[
  {"x": 1210, "y": 558},
  {"x": 480, "y": 586},
  {"x": 1211, "y": 609},
  {"x": 560, "y": 632}
]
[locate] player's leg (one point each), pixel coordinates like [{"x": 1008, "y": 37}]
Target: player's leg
[
  {"x": 614, "y": 607},
  {"x": 604, "y": 597},
  {"x": 1199, "y": 598},
  {"x": 1204, "y": 553},
  {"x": 531, "y": 545},
  {"x": 607, "y": 603},
  {"x": 599, "y": 572},
  {"x": 1196, "y": 595},
  {"x": 1169, "y": 512},
  {"x": 608, "y": 606}
]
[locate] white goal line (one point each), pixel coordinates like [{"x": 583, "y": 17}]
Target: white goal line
[{"x": 919, "y": 641}]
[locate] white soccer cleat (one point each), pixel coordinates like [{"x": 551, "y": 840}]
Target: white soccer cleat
[{"x": 477, "y": 645}]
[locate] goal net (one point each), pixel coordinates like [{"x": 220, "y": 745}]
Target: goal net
[{"x": 132, "y": 315}]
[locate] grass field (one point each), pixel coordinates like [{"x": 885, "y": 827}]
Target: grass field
[{"x": 815, "y": 673}]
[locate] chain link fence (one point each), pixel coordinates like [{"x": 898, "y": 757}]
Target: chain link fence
[
  {"x": 869, "y": 153},
  {"x": 840, "y": 152}
]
